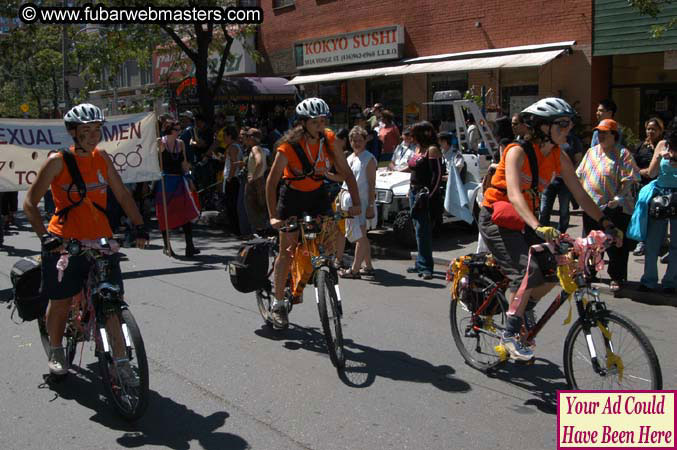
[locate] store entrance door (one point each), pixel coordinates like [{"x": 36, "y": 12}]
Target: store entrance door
[
  {"x": 387, "y": 91},
  {"x": 658, "y": 101}
]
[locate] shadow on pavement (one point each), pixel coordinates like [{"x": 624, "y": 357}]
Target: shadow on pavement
[
  {"x": 132, "y": 274},
  {"x": 364, "y": 364},
  {"x": 541, "y": 379},
  {"x": 393, "y": 279},
  {"x": 20, "y": 252},
  {"x": 631, "y": 290},
  {"x": 166, "y": 422},
  {"x": 6, "y": 295}
]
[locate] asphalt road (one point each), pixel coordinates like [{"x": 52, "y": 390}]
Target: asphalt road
[{"x": 219, "y": 380}]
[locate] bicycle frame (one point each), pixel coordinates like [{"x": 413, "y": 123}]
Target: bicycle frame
[
  {"x": 108, "y": 299},
  {"x": 311, "y": 232}
]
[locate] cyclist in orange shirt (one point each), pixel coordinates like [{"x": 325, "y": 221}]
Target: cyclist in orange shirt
[
  {"x": 509, "y": 231},
  {"x": 81, "y": 218},
  {"x": 302, "y": 192}
]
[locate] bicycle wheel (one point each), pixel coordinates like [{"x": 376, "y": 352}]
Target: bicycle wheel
[
  {"x": 330, "y": 318},
  {"x": 476, "y": 336},
  {"x": 264, "y": 300},
  {"x": 71, "y": 344},
  {"x": 129, "y": 401},
  {"x": 627, "y": 359}
]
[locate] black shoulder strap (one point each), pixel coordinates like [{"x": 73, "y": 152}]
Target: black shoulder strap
[
  {"x": 75, "y": 174},
  {"x": 78, "y": 182},
  {"x": 533, "y": 162},
  {"x": 307, "y": 168}
]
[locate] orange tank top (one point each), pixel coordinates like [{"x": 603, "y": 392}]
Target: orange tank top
[
  {"x": 319, "y": 160},
  {"x": 548, "y": 167},
  {"x": 84, "y": 221}
]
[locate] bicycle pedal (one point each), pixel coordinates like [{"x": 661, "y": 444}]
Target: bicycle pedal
[{"x": 470, "y": 332}]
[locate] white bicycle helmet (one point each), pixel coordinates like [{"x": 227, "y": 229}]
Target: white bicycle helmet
[
  {"x": 312, "y": 108},
  {"x": 83, "y": 113},
  {"x": 549, "y": 109}
]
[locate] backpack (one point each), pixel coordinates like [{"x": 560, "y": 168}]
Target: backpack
[
  {"x": 249, "y": 271},
  {"x": 533, "y": 167},
  {"x": 79, "y": 183},
  {"x": 29, "y": 302}
]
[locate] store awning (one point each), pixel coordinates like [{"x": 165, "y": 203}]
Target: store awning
[
  {"x": 258, "y": 86},
  {"x": 523, "y": 56},
  {"x": 491, "y": 62},
  {"x": 334, "y": 76}
]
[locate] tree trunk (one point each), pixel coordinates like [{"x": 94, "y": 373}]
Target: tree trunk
[
  {"x": 204, "y": 92},
  {"x": 55, "y": 93}
]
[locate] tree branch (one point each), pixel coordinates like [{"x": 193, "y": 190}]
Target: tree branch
[
  {"x": 175, "y": 37},
  {"x": 224, "y": 59}
]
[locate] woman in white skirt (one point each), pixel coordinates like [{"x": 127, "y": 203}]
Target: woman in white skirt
[{"x": 363, "y": 165}]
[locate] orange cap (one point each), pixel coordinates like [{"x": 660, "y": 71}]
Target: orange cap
[{"x": 607, "y": 125}]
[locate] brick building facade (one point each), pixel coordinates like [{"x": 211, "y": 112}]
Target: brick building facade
[{"x": 430, "y": 28}]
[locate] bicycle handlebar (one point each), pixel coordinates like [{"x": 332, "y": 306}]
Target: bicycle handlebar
[
  {"x": 595, "y": 240},
  {"x": 292, "y": 224},
  {"x": 76, "y": 247}
]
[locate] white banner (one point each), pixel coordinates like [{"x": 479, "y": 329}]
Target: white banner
[{"x": 25, "y": 145}]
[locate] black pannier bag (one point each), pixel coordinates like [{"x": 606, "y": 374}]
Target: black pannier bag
[
  {"x": 249, "y": 270},
  {"x": 26, "y": 278}
]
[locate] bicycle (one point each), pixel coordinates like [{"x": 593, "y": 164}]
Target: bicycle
[
  {"x": 314, "y": 233},
  {"x": 595, "y": 354},
  {"x": 92, "y": 317}
]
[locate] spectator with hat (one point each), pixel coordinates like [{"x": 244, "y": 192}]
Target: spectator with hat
[{"x": 609, "y": 174}]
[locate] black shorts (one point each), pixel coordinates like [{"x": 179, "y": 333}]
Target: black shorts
[
  {"x": 75, "y": 275},
  {"x": 294, "y": 203}
]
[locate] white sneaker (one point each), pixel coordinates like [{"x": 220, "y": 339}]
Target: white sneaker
[
  {"x": 516, "y": 349},
  {"x": 278, "y": 312},
  {"x": 57, "y": 361}
]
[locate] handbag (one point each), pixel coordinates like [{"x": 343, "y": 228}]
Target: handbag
[
  {"x": 506, "y": 216},
  {"x": 421, "y": 200}
]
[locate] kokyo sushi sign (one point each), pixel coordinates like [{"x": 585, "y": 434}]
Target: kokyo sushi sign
[{"x": 375, "y": 44}]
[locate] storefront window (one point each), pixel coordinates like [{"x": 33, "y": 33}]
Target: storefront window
[
  {"x": 387, "y": 91},
  {"x": 659, "y": 101},
  {"x": 515, "y": 98},
  {"x": 336, "y": 96},
  {"x": 457, "y": 81}
]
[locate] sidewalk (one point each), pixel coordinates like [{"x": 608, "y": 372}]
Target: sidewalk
[{"x": 459, "y": 239}]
